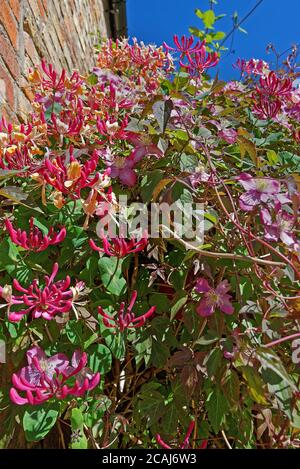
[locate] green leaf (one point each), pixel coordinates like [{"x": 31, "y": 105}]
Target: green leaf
[
  {"x": 255, "y": 384},
  {"x": 280, "y": 390},
  {"x": 75, "y": 331},
  {"x": 272, "y": 157},
  {"x": 269, "y": 360},
  {"x": 78, "y": 438},
  {"x": 100, "y": 358},
  {"x": 162, "y": 112},
  {"x": 159, "y": 353},
  {"x": 115, "y": 341},
  {"x": 110, "y": 269},
  {"x": 213, "y": 361},
  {"x": 209, "y": 19},
  {"x": 216, "y": 406},
  {"x": 179, "y": 301},
  {"x": 38, "y": 421}
]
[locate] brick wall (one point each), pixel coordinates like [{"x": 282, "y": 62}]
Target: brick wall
[{"x": 59, "y": 30}]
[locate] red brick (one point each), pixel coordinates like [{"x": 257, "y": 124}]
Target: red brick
[
  {"x": 15, "y": 6},
  {"x": 9, "y": 23},
  {"x": 45, "y": 4},
  {"x": 8, "y": 94},
  {"x": 9, "y": 56},
  {"x": 41, "y": 8}
]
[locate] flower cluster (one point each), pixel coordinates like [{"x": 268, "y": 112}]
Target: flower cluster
[
  {"x": 35, "y": 240},
  {"x": 198, "y": 60},
  {"x": 126, "y": 319},
  {"x": 119, "y": 247},
  {"x": 54, "y": 377},
  {"x": 46, "y": 302}
]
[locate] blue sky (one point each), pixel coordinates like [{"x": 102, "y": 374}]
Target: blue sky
[{"x": 276, "y": 21}]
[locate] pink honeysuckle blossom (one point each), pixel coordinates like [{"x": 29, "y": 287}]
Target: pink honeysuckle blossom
[
  {"x": 111, "y": 129},
  {"x": 255, "y": 66},
  {"x": 55, "y": 377},
  {"x": 258, "y": 190},
  {"x": 200, "y": 61},
  {"x": 69, "y": 176},
  {"x": 185, "y": 45},
  {"x": 213, "y": 298},
  {"x": 272, "y": 85},
  {"x": 126, "y": 319},
  {"x": 35, "y": 240},
  {"x": 186, "y": 441},
  {"x": 266, "y": 109},
  {"x": 280, "y": 227},
  {"x": 46, "y": 302},
  {"x": 120, "y": 247}
]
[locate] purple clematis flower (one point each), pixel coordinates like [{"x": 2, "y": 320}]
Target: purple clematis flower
[
  {"x": 143, "y": 146},
  {"x": 257, "y": 190},
  {"x": 279, "y": 227},
  {"x": 229, "y": 135},
  {"x": 213, "y": 298}
]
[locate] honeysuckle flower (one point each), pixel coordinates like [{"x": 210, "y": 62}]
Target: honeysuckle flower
[
  {"x": 213, "y": 298},
  {"x": 35, "y": 240},
  {"x": 46, "y": 302},
  {"x": 186, "y": 441},
  {"x": 69, "y": 176},
  {"x": 112, "y": 129},
  {"x": 272, "y": 85},
  {"x": 266, "y": 109},
  {"x": 120, "y": 247},
  {"x": 258, "y": 190},
  {"x": 200, "y": 61},
  {"x": 279, "y": 227},
  {"x": 46, "y": 378},
  {"x": 255, "y": 66},
  {"x": 125, "y": 318},
  {"x": 185, "y": 45}
]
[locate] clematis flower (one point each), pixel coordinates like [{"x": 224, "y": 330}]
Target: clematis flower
[
  {"x": 213, "y": 298},
  {"x": 54, "y": 377},
  {"x": 185, "y": 444},
  {"x": 122, "y": 167},
  {"x": 279, "y": 227},
  {"x": 55, "y": 298},
  {"x": 119, "y": 247},
  {"x": 229, "y": 135},
  {"x": 199, "y": 176},
  {"x": 185, "y": 45},
  {"x": 126, "y": 319},
  {"x": 257, "y": 190},
  {"x": 35, "y": 241},
  {"x": 143, "y": 146}
]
